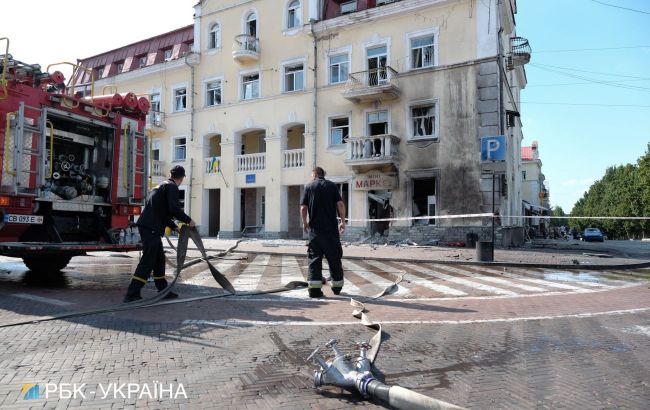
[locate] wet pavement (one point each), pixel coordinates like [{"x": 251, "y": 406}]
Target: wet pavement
[{"x": 476, "y": 336}]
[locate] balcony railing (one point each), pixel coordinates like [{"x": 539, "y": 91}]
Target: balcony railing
[
  {"x": 246, "y": 48},
  {"x": 157, "y": 168},
  {"x": 519, "y": 52},
  {"x": 294, "y": 158},
  {"x": 251, "y": 162},
  {"x": 212, "y": 165},
  {"x": 378, "y": 83},
  {"x": 156, "y": 119},
  {"x": 373, "y": 149}
]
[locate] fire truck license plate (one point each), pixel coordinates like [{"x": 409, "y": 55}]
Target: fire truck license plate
[{"x": 24, "y": 219}]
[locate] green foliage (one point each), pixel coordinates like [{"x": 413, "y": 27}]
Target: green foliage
[
  {"x": 558, "y": 211},
  {"x": 623, "y": 191}
]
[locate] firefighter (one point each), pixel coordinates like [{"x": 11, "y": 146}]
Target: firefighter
[
  {"x": 322, "y": 200},
  {"x": 161, "y": 207}
]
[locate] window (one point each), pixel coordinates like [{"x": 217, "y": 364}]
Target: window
[
  {"x": 155, "y": 102},
  {"x": 348, "y": 7},
  {"x": 378, "y": 122},
  {"x": 523, "y": 175},
  {"x": 251, "y": 25},
  {"x": 214, "y": 36},
  {"x": 377, "y": 59},
  {"x": 100, "y": 73},
  {"x": 213, "y": 93},
  {"x": 424, "y": 200},
  {"x": 423, "y": 119},
  {"x": 294, "y": 78},
  {"x": 422, "y": 52},
  {"x": 180, "y": 151},
  {"x": 180, "y": 99},
  {"x": 250, "y": 86},
  {"x": 155, "y": 150},
  {"x": 293, "y": 14},
  {"x": 339, "y": 68},
  {"x": 339, "y": 130},
  {"x": 142, "y": 61},
  {"x": 120, "y": 67},
  {"x": 168, "y": 54}
]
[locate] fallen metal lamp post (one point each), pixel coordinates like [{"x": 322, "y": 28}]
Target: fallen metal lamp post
[{"x": 343, "y": 371}]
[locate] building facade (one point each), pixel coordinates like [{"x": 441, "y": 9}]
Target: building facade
[
  {"x": 534, "y": 192},
  {"x": 390, "y": 97}
]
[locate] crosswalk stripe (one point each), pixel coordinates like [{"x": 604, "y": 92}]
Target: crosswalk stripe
[
  {"x": 542, "y": 282},
  {"x": 250, "y": 277},
  {"x": 491, "y": 279},
  {"x": 290, "y": 272},
  {"x": 461, "y": 281},
  {"x": 204, "y": 278},
  {"x": 417, "y": 280},
  {"x": 374, "y": 279}
]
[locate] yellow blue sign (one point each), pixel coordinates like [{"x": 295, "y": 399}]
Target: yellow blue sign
[{"x": 30, "y": 391}]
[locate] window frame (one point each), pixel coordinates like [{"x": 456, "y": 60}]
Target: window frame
[
  {"x": 207, "y": 82},
  {"x": 329, "y": 66},
  {"x": 174, "y": 147},
  {"x": 155, "y": 146},
  {"x": 366, "y": 122},
  {"x": 330, "y": 129},
  {"x": 289, "y": 65},
  {"x": 297, "y": 14},
  {"x": 174, "y": 96},
  {"x": 169, "y": 51},
  {"x": 242, "y": 93},
  {"x": 356, "y": 7},
  {"x": 142, "y": 61},
  {"x": 214, "y": 36},
  {"x": 434, "y": 31},
  {"x": 410, "y": 124}
]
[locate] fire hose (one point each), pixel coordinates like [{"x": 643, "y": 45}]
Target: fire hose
[
  {"x": 346, "y": 372},
  {"x": 185, "y": 233}
]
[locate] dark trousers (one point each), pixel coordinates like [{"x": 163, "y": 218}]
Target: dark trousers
[
  {"x": 153, "y": 259},
  {"x": 330, "y": 247}
]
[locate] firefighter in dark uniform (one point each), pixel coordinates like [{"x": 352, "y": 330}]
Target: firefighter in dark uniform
[
  {"x": 322, "y": 200},
  {"x": 161, "y": 207}
]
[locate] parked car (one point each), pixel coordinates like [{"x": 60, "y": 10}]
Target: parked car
[{"x": 593, "y": 234}]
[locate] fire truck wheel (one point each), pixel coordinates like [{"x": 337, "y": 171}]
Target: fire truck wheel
[{"x": 47, "y": 265}]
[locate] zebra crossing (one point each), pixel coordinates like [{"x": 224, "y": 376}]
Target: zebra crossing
[{"x": 418, "y": 280}]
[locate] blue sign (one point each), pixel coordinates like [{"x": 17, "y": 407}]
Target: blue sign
[
  {"x": 250, "y": 178},
  {"x": 493, "y": 148}
]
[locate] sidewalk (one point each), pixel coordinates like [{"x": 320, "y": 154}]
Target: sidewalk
[{"x": 543, "y": 254}]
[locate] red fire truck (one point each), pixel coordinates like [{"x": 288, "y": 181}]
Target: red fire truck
[{"x": 74, "y": 166}]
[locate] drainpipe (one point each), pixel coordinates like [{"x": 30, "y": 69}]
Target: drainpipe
[
  {"x": 315, "y": 91},
  {"x": 500, "y": 85},
  {"x": 192, "y": 59}
]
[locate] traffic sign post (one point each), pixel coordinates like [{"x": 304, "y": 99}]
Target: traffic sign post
[{"x": 493, "y": 161}]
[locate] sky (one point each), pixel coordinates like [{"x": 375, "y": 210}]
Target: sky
[
  {"x": 578, "y": 142},
  {"x": 584, "y": 52}
]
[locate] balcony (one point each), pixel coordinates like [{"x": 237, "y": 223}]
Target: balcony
[
  {"x": 519, "y": 53},
  {"x": 246, "y": 49},
  {"x": 372, "y": 85},
  {"x": 372, "y": 150},
  {"x": 251, "y": 162},
  {"x": 155, "y": 121},
  {"x": 157, "y": 168},
  {"x": 294, "y": 158},
  {"x": 212, "y": 165}
]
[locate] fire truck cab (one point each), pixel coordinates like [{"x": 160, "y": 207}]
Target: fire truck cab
[{"x": 73, "y": 167}]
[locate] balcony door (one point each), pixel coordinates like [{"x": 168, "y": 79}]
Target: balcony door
[
  {"x": 251, "y": 25},
  {"x": 377, "y": 60}
]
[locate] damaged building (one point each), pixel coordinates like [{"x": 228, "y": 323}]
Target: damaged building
[{"x": 390, "y": 97}]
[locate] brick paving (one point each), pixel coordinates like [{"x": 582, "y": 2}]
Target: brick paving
[{"x": 585, "y": 348}]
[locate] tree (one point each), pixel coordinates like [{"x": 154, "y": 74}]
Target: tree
[{"x": 558, "y": 211}]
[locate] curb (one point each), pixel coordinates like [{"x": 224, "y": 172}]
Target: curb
[{"x": 637, "y": 265}]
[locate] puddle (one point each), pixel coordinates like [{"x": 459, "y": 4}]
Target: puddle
[{"x": 572, "y": 276}]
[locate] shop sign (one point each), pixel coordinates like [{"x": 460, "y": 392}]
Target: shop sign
[{"x": 375, "y": 180}]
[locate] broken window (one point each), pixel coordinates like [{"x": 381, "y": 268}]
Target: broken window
[
  {"x": 293, "y": 14},
  {"x": 424, "y": 121},
  {"x": 339, "y": 130},
  {"x": 250, "y": 86},
  {"x": 378, "y": 122},
  {"x": 424, "y": 200},
  {"x": 422, "y": 52}
]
